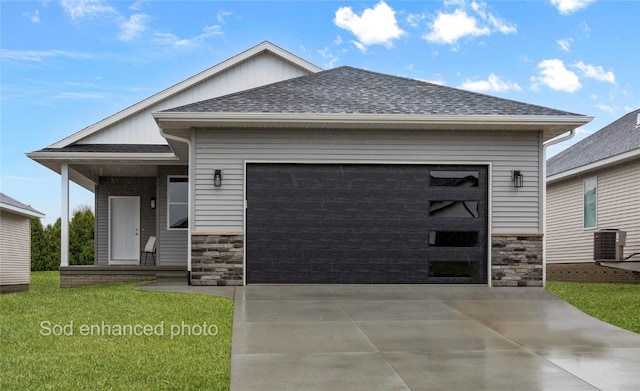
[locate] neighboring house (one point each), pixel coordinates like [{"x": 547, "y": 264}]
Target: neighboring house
[
  {"x": 15, "y": 244},
  {"x": 591, "y": 186},
  {"x": 265, "y": 169}
]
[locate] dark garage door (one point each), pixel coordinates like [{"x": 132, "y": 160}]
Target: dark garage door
[{"x": 366, "y": 223}]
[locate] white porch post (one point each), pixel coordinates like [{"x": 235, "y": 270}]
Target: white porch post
[{"x": 64, "y": 218}]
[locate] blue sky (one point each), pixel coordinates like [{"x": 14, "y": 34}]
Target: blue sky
[{"x": 68, "y": 64}]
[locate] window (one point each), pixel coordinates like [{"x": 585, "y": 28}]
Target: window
[
  {"x": 178, "y": 203},
  {"x": 590, "y": 203},
  {"x": 454, "y": 178}
]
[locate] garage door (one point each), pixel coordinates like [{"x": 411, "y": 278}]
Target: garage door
[{"x": 366, "y": 223}]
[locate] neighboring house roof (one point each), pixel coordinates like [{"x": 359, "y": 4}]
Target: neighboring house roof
[
  {"x": 344, "y": 93},
  {"x": 614, "y": 143},
  {"x": 12, "y": 205},
  {"x": 184, "y": 85}
]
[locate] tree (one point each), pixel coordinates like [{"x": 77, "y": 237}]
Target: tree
[
  {"x": 37, "y": 245},
  {"x": 51, "y": 246},
  {"x": 45, "y": 242},
  {"x": 81, "y": 230}
]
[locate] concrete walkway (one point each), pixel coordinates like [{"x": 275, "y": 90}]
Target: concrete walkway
[{"x": 420, "y": 337}]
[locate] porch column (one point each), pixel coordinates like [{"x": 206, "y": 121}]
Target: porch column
[{"x": 64, "y": 217}]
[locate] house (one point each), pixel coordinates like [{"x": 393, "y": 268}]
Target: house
[
  {"x": 15, "y": 244},
  {"x": 592, "y": 186},
  {"x": 266, "y": 169}
]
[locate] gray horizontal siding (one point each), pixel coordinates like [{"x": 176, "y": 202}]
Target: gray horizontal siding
[
  {"x": 172, "y": 244},
  {"x": 221, "y": 209},
  {"x": 145, "y": 188}
]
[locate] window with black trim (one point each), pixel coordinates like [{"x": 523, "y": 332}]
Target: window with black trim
[{"x": 178, "y": 203}]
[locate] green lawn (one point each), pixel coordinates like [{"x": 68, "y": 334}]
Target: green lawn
[
  {"x": 141, "y": 340},
  {"x": 618, "y": 304}
]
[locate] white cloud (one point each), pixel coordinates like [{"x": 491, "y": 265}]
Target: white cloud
[
  {"x": 565, "y": 43},
  {"x": 169, "y": 39},
  {"x": 414, "y": 20},
  {"x": 566, "y": 7},
  {"x": 222, "y": 15},
  {"x": 86, "y": 8},
  {"x": 606, "y": 108},
  {"x": 81, "y": 95},
  {"x": 328, "y": 59},
  {"x": 39, "y": 55},
  {"x": 35, "y": 18},
  {"x": 556, "y": 76},
  {"x": 448, "y": 28},
  {"x": 132, "y": 27},
  {"x": 377, "y": 25},
  {"x": 596, "y": 72},
  {"x": 138, "y": 5},
  {"x": 493, "y": 83},
  {"x": 466, "y": 21}
]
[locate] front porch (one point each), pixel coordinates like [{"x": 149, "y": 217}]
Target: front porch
[{"x": 75, "y": 276}]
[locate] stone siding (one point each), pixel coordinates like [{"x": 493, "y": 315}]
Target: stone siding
[
  {"x": 590, "y": 272},
  {"x": 516, "y": 260},
  {"x": 217, "y": 259}
]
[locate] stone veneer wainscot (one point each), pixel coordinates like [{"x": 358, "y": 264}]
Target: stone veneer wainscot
[
  {"x": 217, "y": 259},
  {"x": 516, "y": 260}
]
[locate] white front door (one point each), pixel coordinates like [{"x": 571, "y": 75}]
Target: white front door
[{"x": 124, "y": 230}]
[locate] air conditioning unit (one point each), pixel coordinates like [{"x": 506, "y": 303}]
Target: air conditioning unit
[{"x": 608, "y": 245}]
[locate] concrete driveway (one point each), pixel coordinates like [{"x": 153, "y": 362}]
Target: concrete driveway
[{"x": 420, "y": 337}]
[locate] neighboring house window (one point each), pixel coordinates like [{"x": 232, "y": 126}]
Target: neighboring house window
[
  {"x": 590, "y": 203},
  {"x": 178, "y": 203}
]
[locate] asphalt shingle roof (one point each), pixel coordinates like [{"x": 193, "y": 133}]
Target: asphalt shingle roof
[
  {"x": 6, "y": 200},
  {"x": 614, "y": 139},
  {"x": 347, "y": 90}
]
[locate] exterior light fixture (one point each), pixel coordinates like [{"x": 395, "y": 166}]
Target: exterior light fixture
[
  {"x": 153, "y": 202},
  {"x": 217, "y": 178},
  {"x": 518, "y": 179}
]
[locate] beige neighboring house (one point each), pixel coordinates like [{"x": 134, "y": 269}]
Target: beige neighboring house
[
  {"x": 15, "y": 244},
  {"x": 593, "y": 186}
]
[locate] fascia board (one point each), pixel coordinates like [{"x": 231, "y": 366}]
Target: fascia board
[
  {"x": 594, "y": 166},
  {"x": 181, "y": 86},
  {"x": 20, "y": 211},
  {"x": 229, "y": 119},
  {"x": 100, "y": 156}
]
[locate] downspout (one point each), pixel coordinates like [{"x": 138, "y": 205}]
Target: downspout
[
  {"x": 546, "y": 145},
  {"x": 190, "y": 196}
]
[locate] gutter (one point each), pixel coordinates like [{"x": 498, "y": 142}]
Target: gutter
[
  {"x": 227, "y": 118},
  {"x": 190, "y": 196}
]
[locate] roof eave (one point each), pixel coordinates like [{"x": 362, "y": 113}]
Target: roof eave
[
  {"x": 54, "y": 155},
  {"x": 617, "y": 159},
  {"x": 555, "y": 125},
  {"x": 21, "y": 211}
]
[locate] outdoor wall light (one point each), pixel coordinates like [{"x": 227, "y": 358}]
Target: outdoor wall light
[
  {"x": 217, "y": 178},
  {"x": 153, "y": 202},
  {"x": 518, "y": 179}
]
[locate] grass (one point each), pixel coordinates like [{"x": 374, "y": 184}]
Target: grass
[
  {"x": 618, "y": 304},
  {"x": 45, "y": 340}
]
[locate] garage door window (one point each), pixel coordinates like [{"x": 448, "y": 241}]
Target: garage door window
[
  {"x": 458, "y": 209},
  {"x": 454, "y": 178}
]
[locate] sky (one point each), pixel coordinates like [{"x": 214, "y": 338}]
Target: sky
[{"x": 68, "y": 64}]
